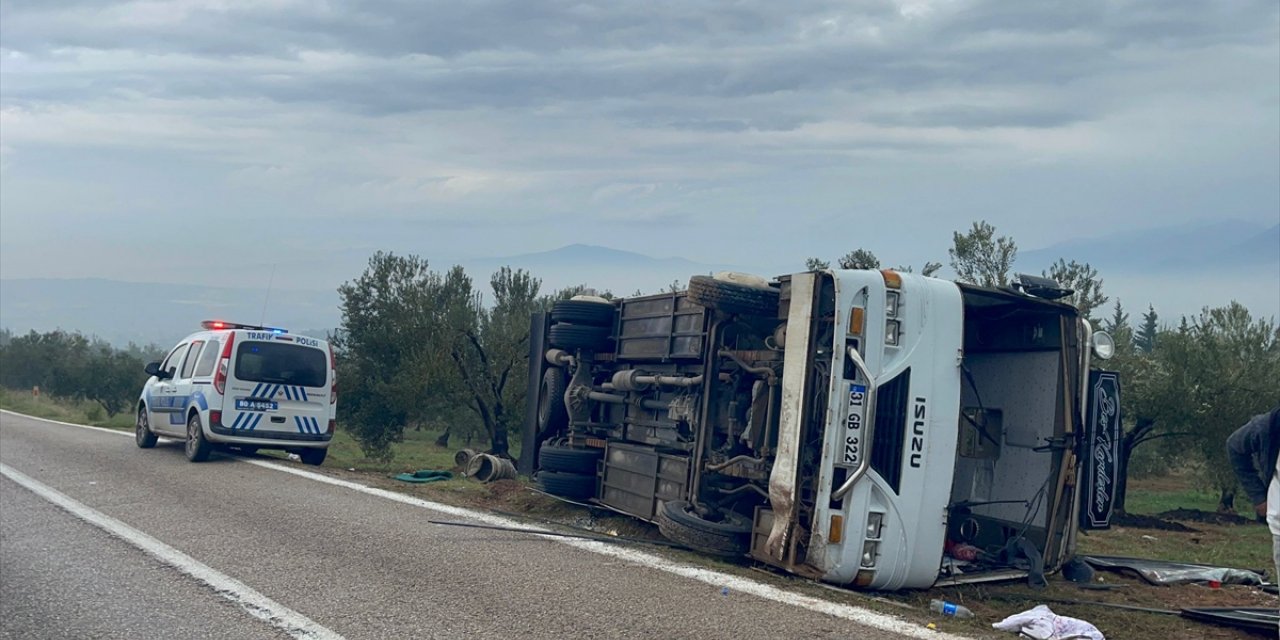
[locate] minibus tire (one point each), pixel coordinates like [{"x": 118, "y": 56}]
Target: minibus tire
[
  {"x": 577, "y": 336},
  {"x": 584, "y": 312},
  {"x": 732, "y": 297},
  {"x": 197, "y": 447},
  {"x": 552, "y": 457},
  {"x": 726, "y": 538},
  {"x": 552, "y": 413},
  {"x": 143, "y": 435},
  {"x": 567, "y": 485}
]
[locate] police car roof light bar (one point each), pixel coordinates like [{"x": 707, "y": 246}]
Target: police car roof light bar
[{"x": 219, "y": 324}]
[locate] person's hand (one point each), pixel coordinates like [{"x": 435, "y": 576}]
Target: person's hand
[{"x": 1260, "y": 509}]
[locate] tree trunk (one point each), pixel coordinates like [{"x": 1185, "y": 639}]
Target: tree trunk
[
  {"x": 1128, "y": 442},
  {"x": 498, "y": 433},
  {"x": 1122, "y": 475},
  {"x": 443, "y": 440}
]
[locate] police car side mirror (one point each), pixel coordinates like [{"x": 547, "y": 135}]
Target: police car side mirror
[{"x": 153, "y": 369}]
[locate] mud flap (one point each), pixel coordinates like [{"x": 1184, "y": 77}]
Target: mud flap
[
  {"x": 784, "y": 479},
  {"x": 1101, "y": 459}
]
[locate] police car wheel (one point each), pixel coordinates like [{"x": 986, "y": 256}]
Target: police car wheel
[
  {"x": 197, "y": 449},
  {"x": 313, "y": 457},
  {"x": 142, "y": 434}
]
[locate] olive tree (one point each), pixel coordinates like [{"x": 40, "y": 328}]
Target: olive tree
[
  {"x": 1084, "y": 282},
  {"x": 979, "y": 257}
]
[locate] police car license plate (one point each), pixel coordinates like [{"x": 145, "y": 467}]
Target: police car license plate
[
  {"x": 854, "y": 434},
  {"x": 256, "y": 405}
]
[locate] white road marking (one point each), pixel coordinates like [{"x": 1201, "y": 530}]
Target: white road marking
[
  {"x": 257, "y": 605},
  {"x": 68, "y": 424},
  {"x": 858, "y": 615}
]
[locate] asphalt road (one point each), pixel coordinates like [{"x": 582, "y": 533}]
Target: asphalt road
[{"x": 354, "y": 564}]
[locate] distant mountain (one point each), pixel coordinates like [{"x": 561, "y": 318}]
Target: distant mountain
[
  {"x": 144, "y": 313},
  {"x": 1179, "y": 269},
  {"x": 576, "y": 255},
  {"x": 1182, "y": 248},
  {"x": 1261, "y": 249},
  {"x": 603, "y": 268}
]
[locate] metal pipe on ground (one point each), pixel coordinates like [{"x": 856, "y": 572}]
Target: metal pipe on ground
[{"x": 489, "y": 468}]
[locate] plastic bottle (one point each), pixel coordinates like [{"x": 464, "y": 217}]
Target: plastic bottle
[{"x": 950, "y": 609}]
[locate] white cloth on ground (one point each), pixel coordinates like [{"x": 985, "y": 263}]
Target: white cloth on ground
[{"x": 1041, "y": 623}]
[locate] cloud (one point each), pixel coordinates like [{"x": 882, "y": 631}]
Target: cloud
[{"x": 552, "y": 122}]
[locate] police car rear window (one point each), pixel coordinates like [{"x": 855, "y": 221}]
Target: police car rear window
[{"x": 281, "y": 363}]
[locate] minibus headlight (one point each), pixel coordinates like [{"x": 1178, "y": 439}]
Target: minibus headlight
[
  {"x": 870, "y": 550},
  {"x": 892, "y": 332},
  {"x": 874, "y": 522},
  {"x": 891, "y": 300},
  {"x": 1104, "y": 346}
]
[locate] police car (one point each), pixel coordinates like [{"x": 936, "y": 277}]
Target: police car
[{"x": 242, "y": 386}]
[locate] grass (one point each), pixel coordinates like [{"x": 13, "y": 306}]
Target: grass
[
  {"x": 417, "y": 451},
  {"x": 1244, "y": 546},
  {"x": 1175, "y": 491},
  {"x": 1241, "y": 546},
  {"x": 64, "y": 409}
]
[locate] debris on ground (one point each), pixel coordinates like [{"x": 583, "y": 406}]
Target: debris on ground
[
  {"x": 1256, "y": 619},
  {"x": 1161, "y": 572},
  {"x": 487, "y": 468},
  {"x": 463, "y": 457},
  {"x": 949, "y": 609},
  {"x": 1078, "y": 571},
  {"x": 1135, "y": 521},
  {"x": 1041, "y": 623},
  {"x": 424, "y": 476},
  {"x": 1209, "y": 517}
]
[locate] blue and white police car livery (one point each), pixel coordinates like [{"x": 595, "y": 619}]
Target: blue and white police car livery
[{"x": 242, "y": 386}]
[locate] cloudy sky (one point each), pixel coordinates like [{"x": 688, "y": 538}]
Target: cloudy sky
[{"x": 307, "y": 133}]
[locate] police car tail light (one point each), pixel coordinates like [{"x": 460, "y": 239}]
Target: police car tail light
[
  {"x": 224, "y": 363},
  {"x": 215, "y": 418}
]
